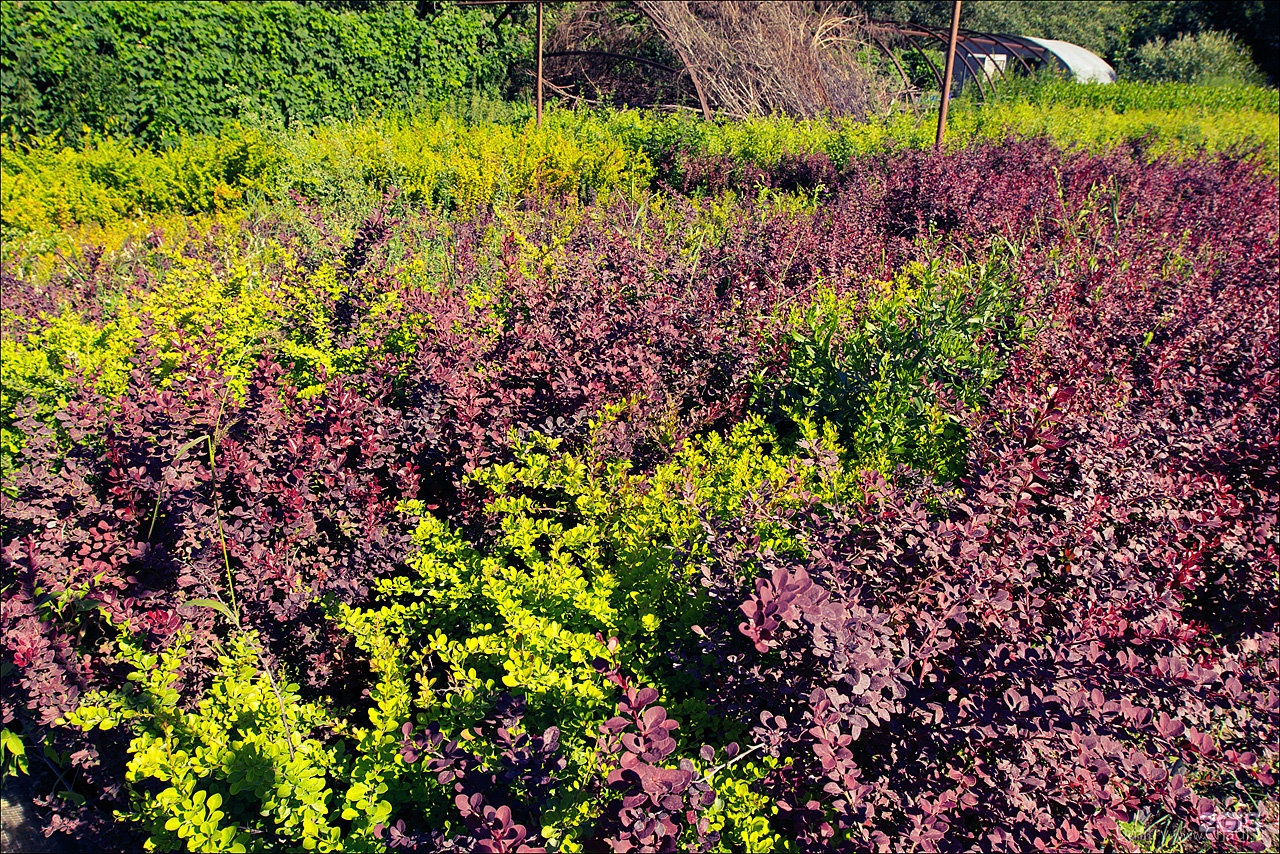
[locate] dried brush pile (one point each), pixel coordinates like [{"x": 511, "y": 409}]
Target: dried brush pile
[{"x": 737, "y": 58}]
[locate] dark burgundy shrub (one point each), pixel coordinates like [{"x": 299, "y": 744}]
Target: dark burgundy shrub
[
  {"x": 691, "y": 172},
  {"x": 988, "y": 188},
  {"x": 687, "y": 171},
  {"x": 804, "y": 172},
  {"x": 520, "y": 778},
  {"x": 658, "y": 803},
  {"x": 133, "y": 517},
  {"x": 1088, "y": 630},
  {"x": 613, "y": 316}
]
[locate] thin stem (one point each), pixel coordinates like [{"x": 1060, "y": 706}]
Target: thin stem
[
  {"x": 217, "y": 512},
  {"x": 288, "y": 731},
  {"x": 155, "y": 512},
  {"x": 735, "y": 760},
  {"x": 57, "y": 773}
]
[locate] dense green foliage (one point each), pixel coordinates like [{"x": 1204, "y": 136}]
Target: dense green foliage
[
  {"x": 154, "y": 71},
  {"x": 1207, "y": 58},
  {"x": 1113, "y": 29},
  {"x": 872, "y": 365}
]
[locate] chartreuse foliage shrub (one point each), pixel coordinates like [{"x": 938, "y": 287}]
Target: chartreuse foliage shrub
[
  {"x": 40, "y": 368},
  {"x": 1055, "y": 110},
  {"x": 1176, "y": 132},
  {"x": 581, "y": 548},
  {"x": 583, "y": 551},
  {"x": 46, "y": 183},
  {"x": 433, "y": 158},
  {"x": 244, "y": 756},
  {"x": 1126, "y": 95},
  {"x": 1169, "y": 119},
  {"x": 437, "y": 160}
]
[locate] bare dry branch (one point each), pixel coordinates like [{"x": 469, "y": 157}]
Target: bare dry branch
[{"x": 785, "y": 56}]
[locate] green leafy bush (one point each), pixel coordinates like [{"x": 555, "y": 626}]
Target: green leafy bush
[
  {"x": 1129, "y": 95},
  {"x": 153, "y": 71},
  {"x": 47, "y": 184},
  {"x": 895, "y": 368},
  {"x": 217, "y": 777},
  {"x": 1208, "y": 58}
]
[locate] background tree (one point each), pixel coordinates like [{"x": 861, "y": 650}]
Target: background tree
[{"x": 1112, "y": 29}]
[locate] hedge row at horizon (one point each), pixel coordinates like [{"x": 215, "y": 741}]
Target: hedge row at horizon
[{"x": 455, "y": 157}]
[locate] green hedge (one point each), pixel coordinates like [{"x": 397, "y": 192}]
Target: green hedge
[
  {"x": 1126, "y": 96},
  {"x": 156, "y": 70}
]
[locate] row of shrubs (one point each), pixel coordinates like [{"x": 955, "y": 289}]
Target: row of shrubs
[
  {"x": 154, "y": 72},
  {"x": 1124, "y": 95},
  {"x": 930, "y": 511},
  {"x": 438, "y": 159}
]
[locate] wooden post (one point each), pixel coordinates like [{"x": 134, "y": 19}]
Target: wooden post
[
  {"x": 951, "y": 67},
  {"x": 539, "y": 108}
]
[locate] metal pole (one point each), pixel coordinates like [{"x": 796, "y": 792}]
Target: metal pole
[
  {"x": 539, "y": 111},
  {"x": 951, "y": 67}
]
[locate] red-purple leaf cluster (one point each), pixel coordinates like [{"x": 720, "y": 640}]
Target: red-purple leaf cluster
[
  {"x": 526, "y": 774},
  {"x": 658, "y": 802},
  {"x": 1088, "y": 629}
]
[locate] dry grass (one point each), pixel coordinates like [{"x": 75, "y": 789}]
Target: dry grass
[{"x": 787, "y": 56}]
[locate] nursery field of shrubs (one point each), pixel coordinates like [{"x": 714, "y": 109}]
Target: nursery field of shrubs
[
  {"x": 438, "y": 482},
  {"x": 484, "y": 153}
]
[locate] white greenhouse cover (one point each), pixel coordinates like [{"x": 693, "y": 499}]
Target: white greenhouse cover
[{"x": 1086, "y": 66}]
